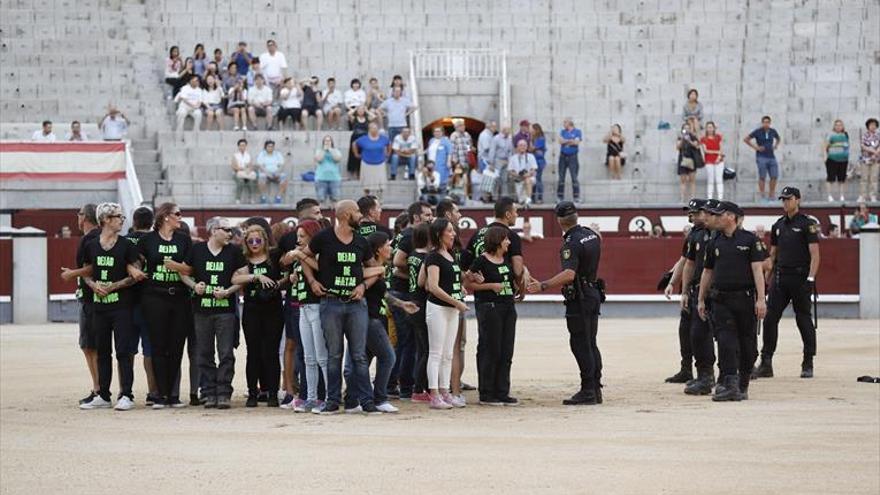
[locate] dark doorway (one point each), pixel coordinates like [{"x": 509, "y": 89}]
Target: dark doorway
[{"x": 473, "y": 126}]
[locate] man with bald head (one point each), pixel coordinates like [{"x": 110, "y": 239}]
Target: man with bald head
[{"x": 340, "y": 254}]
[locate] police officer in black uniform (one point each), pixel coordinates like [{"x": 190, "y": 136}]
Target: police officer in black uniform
[
  {"x": 794, "y": 262},
  {"x": 733, "y": 281},
  {"x": 583, "y": 292}
]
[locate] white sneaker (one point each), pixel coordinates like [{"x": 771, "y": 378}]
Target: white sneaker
[
  {"x": 236, "y": 128},
  {"x": 386, "y": 407},
  {"x": 454, "y": 400},
  {"x": 873, "y": 198},
  {"x": 244, "y": 128},
  {"x": 96, "y": 403},
  {"x": 842, "y": 199},
  {"x": 861, "y": 199},
  {"x": 830, "y": 198},
  {"x": 124, "y": 404},
  {"x": 354, "y": 410}
]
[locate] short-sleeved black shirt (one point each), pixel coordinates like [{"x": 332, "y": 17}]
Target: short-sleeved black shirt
[
  {"x": 414, "y": 264},
  {"x": 792, "y": 238},
  {"x": 731, "y": 258},
  {"x": 494, "y": 273},
  {"x": 695, "y": 250},
  {"x": 254, "y": 292},
  {"x": 83, "y": 292},
  {"x": 477, "y": 245},
  {"x": 366, "y": 228},
  {"x": 216, "y": 272},
  {"x": 581, "y": 250},
  {"x": 450, "y": 277},
  {"x": 155, "y": 250},
  {"x": 303, "y": 292},
  {"x": 340, "y": 266},
  {"x": 375, "y": 296},
  {"x": 110, "y": 265},
  {"x": 403, "y": 242}
]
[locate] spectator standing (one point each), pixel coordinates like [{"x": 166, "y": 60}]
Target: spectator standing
[
  {"x": 440, "y": 152},
  {"x": 291, "y": 104},
  {"x": 428, "y": 182},
  {"x": 870, "y": 161},
  {"x": 236, "y": 105},
  {"x": 270, "y": 169},
  {"x": 274, "y": 65},
  {"x": 311, "y": 104},
  {"x": 359, "y": 122},
  {"x": 615, "y": 157},
  {"x": 76, "y": 133},
  {"x": 462, "y": 145},
  {"x": 693, "y": 108},
  {"x": 354, "y": 96},
  {"x": 861, "y": 217},
  {"x": 570, "y": 139},
  {"x": 45, "y": 134},
  {"x": 244, "y": 172},
  {"x": 404, "y": 147},
  {"x": 836, "y": 152},
  {"x": 502, "y": 148},
  {"x": 173, "y": 66},
  {"x": 524, "y": 133},
  {"x": 484, "y": 145},
  {"x": 690, "y": 158},
  {"x": 213, "y": 100},
  {"x": 373, "y": 150},
  {"x": 539, "y": 149},
  {"x": 333, "y": 104},
  {"x": 200, "y": 60},
  {"x": 260, "y": 102},
  {"x": 522, "y": 170},
  {"x": 242, "y": 59},
  {"x": 714, "y": 158},
  {"x": 327, "y": 176},
  {"x": 397, "y": 109},
  {"x": 113, "y": 125},
  {"x": 767, "y": 140},
  {"x": 220, "y": 62},
  {"x": 190, "y": 101},
  {"x": 375, "y": 96},
  {"x": 397, "y": 82}
]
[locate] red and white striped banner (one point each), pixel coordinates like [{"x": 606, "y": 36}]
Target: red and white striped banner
[{"x": 97, "y": 161}]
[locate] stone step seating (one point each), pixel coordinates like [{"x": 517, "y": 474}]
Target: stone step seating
[{"x": 15, "y": 131}]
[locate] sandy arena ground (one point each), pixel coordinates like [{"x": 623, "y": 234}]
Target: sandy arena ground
[{"x": 793, "y": 437}]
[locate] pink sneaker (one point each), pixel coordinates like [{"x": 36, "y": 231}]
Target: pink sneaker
[
  {"x": 438, "y": 403},
  {"x": 453, "y": 400},
  {"x": 423, "y": 397}
]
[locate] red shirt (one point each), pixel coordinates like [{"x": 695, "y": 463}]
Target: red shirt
[{"x": 713, "y": 148}]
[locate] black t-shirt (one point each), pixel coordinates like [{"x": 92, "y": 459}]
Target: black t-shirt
[
  {"x": 155, "y": 250},
  {"x": 216, "y": 272},
  {"x": 494, "y": 273},
  {"x": 375, "y": 296},
  {"x": 581, "y": 251},
  {"x": 136, "y": 289},
  {"x": 731, "y": 260},
  {"x": 287, "y": 243},
  {"x": 695, "y": 250},
  {"x": 414, "y": 265},
  {"x": 340, "y": 266},
  {"x": 83, "y": 292},
  {"x": 254, "y": 292},
  {"x": 303, "y": 290},
  {"x": 477, "y": 245},
  {"x": 403, "y": 242},
  {"x": 792, "y": 238},
  {"x": 366, "y": 228},
  {"x": 108, "y": 266},
  {"x": 450, "y": 277}
]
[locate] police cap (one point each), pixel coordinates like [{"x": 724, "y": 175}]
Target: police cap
[
  {"x": 565, "y": 208},
  {"x": 790, "y": 192},
  {"x": 695, "y": 205}
]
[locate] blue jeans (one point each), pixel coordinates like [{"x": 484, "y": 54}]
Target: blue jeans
[
  {"x": 538, "y": 193},
  {"x": 406, "y": 349},
  {"x": 393, "y": 132},
  {"x": 410, "y": 166},
  {"x": 767, "y": 165},
  {"x": 568, "y": 163},
  {"x": 348, "y": 319},
  {"x": 327, "y": 189},
  {"x": 378, "y": 346}
]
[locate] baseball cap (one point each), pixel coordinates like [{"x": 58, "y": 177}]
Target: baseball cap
[
  {"x": 730, "y": 206},
  {"x": 694, "y": 205},
  {"x": 788, "y": 192},
  {"x": 565, "y": 208}
]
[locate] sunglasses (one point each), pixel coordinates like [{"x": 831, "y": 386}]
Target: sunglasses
[
  {"x": 177, "y": 214},
  {"x": 255, "y": 241},
  {"x": 116, "y": 216},
  {"x": 228, "y": 230}
]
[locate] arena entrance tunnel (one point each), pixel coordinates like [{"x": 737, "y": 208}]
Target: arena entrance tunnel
[{"x": 473, "y": 126}]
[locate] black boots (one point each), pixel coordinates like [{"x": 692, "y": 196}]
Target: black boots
[
  {"x": 251, "y": 400},
  {"x": 727, "y": 389},
  {"x": 702, "y": 385},
  {"x": 584, "y": 397},
  {"x": 684, "y": 375},
  {"x": 807, "y": 367},
  {"x": 765, "y": 369}
]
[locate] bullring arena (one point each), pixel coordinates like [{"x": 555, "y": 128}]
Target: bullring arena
[{"x": 211, "y": 118}]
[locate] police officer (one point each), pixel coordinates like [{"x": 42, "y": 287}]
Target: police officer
[
  {"x": 583, "y": 292},
  {"x": 794, "y": 262},
  {"x": 733, "y": 281},
  {"x": 699, "y": 332}
]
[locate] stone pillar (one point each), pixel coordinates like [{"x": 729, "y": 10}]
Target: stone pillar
[
  {"x": 869, "y": 271},
  {"x": 30, "y": 284}
]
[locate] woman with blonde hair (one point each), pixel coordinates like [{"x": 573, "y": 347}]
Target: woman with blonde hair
[{"x": 615, "y": 157}]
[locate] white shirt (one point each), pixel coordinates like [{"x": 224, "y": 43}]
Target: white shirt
[
  {"x": 519, "y": 163},
  {"x": 69, "y": 136},
  {"x": 242, "y": 159},
  {"x": 332, "y": 99},
  {"x": 405, "y": 144},
  {"x": 354, "y": 98},
  {"x": 258, "y": 95},
  {"x": 291, "y": 98},
  {"x": 422, "y": 181},
  {"x": 433, "y": 146},
  {"x": 213, "y": 97},
  {"x": 273, "y": 65},
  {"x": 195, "y": 96},
  {"x": 114, "y": 128},
  {"x": 44, "y": 138},
  {"x": 484, "y": 144}
]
